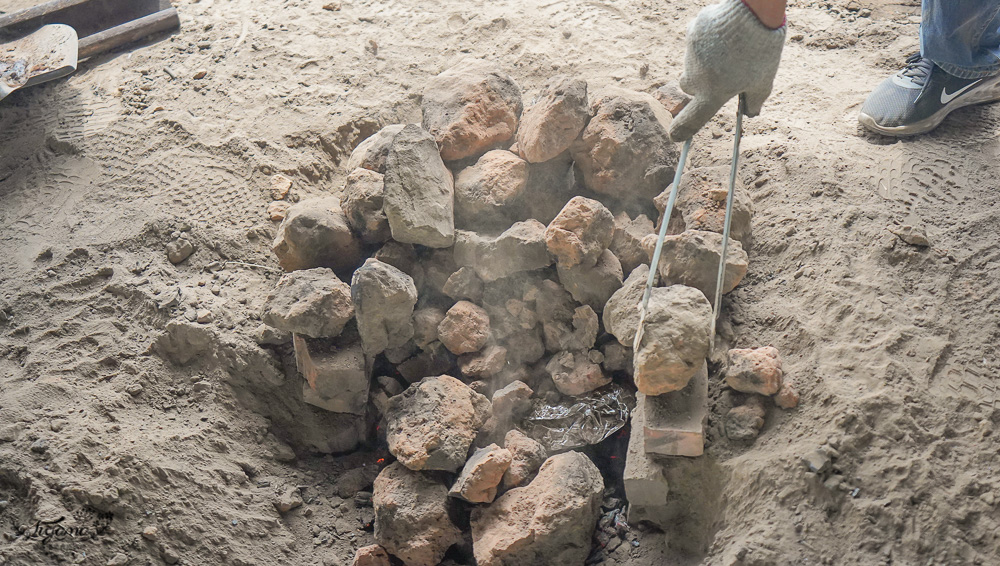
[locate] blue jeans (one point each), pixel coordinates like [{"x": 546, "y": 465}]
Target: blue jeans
[{"x": 962, "y": 36}]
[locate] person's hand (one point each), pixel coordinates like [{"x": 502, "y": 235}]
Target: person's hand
[{"x": 729, "y": 52}]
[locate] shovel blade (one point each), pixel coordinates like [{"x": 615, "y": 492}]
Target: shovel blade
[{"x": 43, "y": 55}]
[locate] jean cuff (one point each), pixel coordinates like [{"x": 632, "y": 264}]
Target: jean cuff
[{"x": 979, "y": 72}]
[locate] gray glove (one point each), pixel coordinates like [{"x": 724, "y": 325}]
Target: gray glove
[{"x": 729, "y": 52}]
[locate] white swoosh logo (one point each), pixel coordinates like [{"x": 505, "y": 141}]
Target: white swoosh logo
[{"x": 946, "y": 98}]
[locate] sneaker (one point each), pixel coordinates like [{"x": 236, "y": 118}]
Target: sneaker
[{"x": 918, "y": 98}]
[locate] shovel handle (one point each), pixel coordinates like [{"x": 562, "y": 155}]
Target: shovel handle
[{"x": 128, "y": 32}]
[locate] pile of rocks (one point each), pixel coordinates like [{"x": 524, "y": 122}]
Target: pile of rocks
[{"x": 483, "y": 260}]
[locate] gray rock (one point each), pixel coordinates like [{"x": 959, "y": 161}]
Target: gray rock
[
  {"x": 431, "y": 425},
  {"x": 692, "y": 259},
  {"x": 621, "y": 313},
  {"x": 625, "y": 150},
  {"x": 745, "y": 421},
  {"x": 362, "y": 202},
  {"x": 551, "y": 125},
  {"x": 412, "y": 516},
  {"x": 313, "y": 302},
  {"x": 676, "y": 340},
  {"x": 627, "y": 241},
  {"x": 425, "y": 325},
  {"x": 373, "y": 151},
  {"x": 471, "y": 108},
  {"x": 384, "y": 298},
  {"x": 315, "y": 233},
  {"x": 593, "y": 285},
  {"x": 179, "y": 250},
  {"x": 527, "y": 455},
  {"x": 337, "y": 376},
  {"x": 580, "y": 233},
  {"x": 701, "y": 204},
  {"x": 464, "y": 284},
  {"x": 485, "y": 191},
  {"x": 574, "y": 373},
  {"x": 549, "y": 521},
  {"x": 481, "y": 475},
  {"x": 419, "y": 196},
  {"x": 520, "y": 248}
]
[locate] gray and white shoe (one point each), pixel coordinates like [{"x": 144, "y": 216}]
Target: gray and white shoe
[{"x": 918, "y": 98}]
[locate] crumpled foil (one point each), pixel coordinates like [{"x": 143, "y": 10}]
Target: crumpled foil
[{"x": 578, "y": 421}]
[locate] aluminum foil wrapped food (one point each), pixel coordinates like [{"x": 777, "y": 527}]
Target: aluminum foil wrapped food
[{"x": 579, "y": 421}]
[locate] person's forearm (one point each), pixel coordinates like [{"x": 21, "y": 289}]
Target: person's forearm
[{"x": 771, "y": 13}]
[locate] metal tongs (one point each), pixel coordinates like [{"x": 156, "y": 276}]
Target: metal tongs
[{"x": 654, "y": 264}]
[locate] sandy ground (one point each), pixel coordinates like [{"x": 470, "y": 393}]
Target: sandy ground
[{"x": 892, "y": 346}]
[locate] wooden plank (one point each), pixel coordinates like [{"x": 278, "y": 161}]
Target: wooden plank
[
  {"x": 37, "y": 12},
  {"x": 87, "y": 17},
  {"x": 129, "y": 32}
]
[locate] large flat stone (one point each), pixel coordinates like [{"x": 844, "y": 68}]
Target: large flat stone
[{"x": 675, "y": 422}]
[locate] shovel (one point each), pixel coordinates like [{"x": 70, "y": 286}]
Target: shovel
[
  {"x": 54, "y": 36},
  {"x": 45, "y": 55}
]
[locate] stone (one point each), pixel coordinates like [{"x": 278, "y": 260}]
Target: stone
[
  {"x": 674, "y": 423},
  {"x": 315, "y": 233},
  {"x": 313, "y": 302},
  {"x": 179, "y": 250},
  {"x": 626, "y": 243},
  {"x": 337, "y": 376},
  {"x": 425, "y": 325},
  {"x": 574, "y": 373},
  {"x": 755, "y": 370},
  {"x": 745, "y": 421},
  {"x": 551, "y": 125},
  {"x": 383, "y": 298},
  {"x": 278, "y": 210},
  {"x": 438, "y": 266},
  {"x": 149, "y": 533},
  {"x": 672, "y": 97},
  {"x": 289, "y": 499},
  {"x": 485, "y": 191},
  {"x": 371, "y": 555},
  {"x": 431, "y": 425},
  {"x": 549, "y": 521},
  {"x": 399, "y": 255},
  {"x": 119, "y": 559},
  {"x": 510, "y": 403},
  {"x": 419, "y": 195},
  {"x": 269, "y": 336},
  {"x": 204, "y": 316},
  {"x": 616, "y": 358},
  {"x": 371, "y": 153},
  {"x": 279, "y": 187},
  {"x": 913, "y": 235},
  {"x": 464, "y": 284},
  {"x": 471, "y": 108},
  {"x": 485, "y": 363},
  {"x": 676, "y": 340},
  {"x": 522, "y": 247},
  {"x": 692, "y": 259},
  {"x": 646, "y": 486},
  {"x": 701, "y": 204},
  {"x": 435, "y": 359},
  {"x": 625, "y": 150},
  {"x": 788, "y": 396},
  {"x": 524, "y": 347},
  {"x": 412, "y": 516},
  {"x": 593, "y": 285},
  {"x": 621, "y": 313},
  {"x": 465, "y": 328},
  {"x": 362, "y": 201},
  {"x": 580, "y": 233},
  {"x": 563, "y": 326},
  {"x": 527, "y": 455},
  {"x": 479, "y": 479}
]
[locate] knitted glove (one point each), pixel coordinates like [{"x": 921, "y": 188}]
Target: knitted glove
[{"x": 729, "y": 52}]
